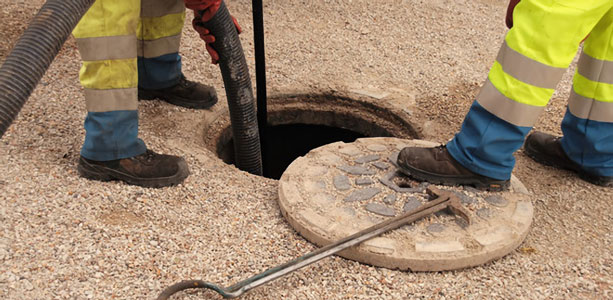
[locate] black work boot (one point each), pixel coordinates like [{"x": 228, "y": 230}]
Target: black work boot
[
  {"x": 546, "y": 149},
  {"x": 185, "y": 93},
  {"x": 435, "y": 165},
  {"x": 148, "y": 169}
]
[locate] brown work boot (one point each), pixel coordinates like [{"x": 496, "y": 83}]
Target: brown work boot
[
  {"x": 546, "y": 149},
  {"x": 435, "y": 165},
  {"x": 148, "y": 169},
  {"x": 185, "y": 93}
]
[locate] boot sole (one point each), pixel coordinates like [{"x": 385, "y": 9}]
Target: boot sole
[
  {"x": 479, "y": 183},
  {"x": 547, "y": 161},
  {"x": 94, "y": 172},
  {"x": 147, "y": 95}
]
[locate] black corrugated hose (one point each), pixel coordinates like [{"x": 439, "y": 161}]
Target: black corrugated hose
[
  {"x": 237, "y": 83},
  {"x": 42, "y": 40},
  {"x": 34, "y": 52},
  {"x": 241, "y": 104}
]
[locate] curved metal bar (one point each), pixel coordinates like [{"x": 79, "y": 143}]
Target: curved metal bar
[
  {"x": 444, "y": 200},
  {"x": 196, "y": 284}
]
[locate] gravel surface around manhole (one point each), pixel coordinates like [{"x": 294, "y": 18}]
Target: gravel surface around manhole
[{"x": 63, "y": 237}]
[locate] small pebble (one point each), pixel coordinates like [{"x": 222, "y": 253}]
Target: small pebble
[
  {"x": 341, "y": 182},
  {"x": 484, "y": 213},
  {"x": 381, "y": 165},
  {"x": 27, "y": 285},
  {"x": 362, "y": 194},
  {"x": 356, "y": 170},
  {"x": 363, "y": 181},
  {"x": 380, "y": 209},
  {"x": 411, "y": 204},
  {"x": 497, "y": 200},
  {"x": 435, "y": 228},
  {"x": 390, "y": 199},
  {"x": 367, "y": 158},
  {"x": 464, "y": 199},
  {"x": 376, "y": 147},
  {"x": 350, "y": 211},
  {"x": 462, "y": 223},
  {"x": 350, "y": 150}
]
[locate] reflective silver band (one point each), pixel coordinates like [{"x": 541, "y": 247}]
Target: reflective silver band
[
  {"x": 111, "y": 100},
  {"x": 588, "y": 108},
  {"x": 516, "y": 113},
  {"x": 528, "y": 70},
  {"x": 159, "y": 47},
  {"x": 159, "y": 8},
  {"x": 595, "y": 69},
  {"x": 107, "y": 47}
]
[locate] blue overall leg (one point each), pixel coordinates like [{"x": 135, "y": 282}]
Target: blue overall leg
[{"x": 486, "y": 143}]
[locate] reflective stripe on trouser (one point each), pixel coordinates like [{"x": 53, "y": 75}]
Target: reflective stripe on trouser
[
  {"x": 531, "y": 61},
  {"x": 159, "y": 35},
  {"x": 107, "y": 40},
  {"x": 588, "y": 123}
]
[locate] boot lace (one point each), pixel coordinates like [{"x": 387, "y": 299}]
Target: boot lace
[
  {"x": 184, "y": 82},
  {"x": 148, "y": 156},
  {"x": 440, "y": 150}
]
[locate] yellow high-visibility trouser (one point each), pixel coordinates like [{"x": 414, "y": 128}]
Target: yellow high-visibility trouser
[
  {"x": 535, "y": 54},
  {"x": 125, "y": 44}
]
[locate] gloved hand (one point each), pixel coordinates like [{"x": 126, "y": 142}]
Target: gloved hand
[
  {"x": 510, "y": 9},
  {"x": 204, "y": 10},
  {"x": 208, "y": 38}
]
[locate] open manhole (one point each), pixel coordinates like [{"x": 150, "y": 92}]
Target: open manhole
[
  {"x": 334, "y": 156},
  {"x": 300, "y": 123}
]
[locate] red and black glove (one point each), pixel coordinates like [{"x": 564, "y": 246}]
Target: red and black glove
[
  {"x": 204, "y": 10},
  {"x": 510, "y": 9}
]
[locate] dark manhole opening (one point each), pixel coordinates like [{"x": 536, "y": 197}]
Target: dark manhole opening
[
  {"x": 282, "y": 144},
  {"x": 301, "y": 123}
]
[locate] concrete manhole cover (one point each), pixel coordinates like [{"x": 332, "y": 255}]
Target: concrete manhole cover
[{"x": 341, "y": 188}]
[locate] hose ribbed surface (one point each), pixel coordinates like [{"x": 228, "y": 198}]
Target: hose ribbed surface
[
  {"x": 237, "y": 83},
  {"x": 34, "y": 52}
]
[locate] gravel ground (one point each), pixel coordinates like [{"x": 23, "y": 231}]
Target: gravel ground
[{"x": 64, "y": 237}]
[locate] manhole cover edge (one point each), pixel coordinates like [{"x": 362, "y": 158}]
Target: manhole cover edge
[{"x": 435, "y": 263}]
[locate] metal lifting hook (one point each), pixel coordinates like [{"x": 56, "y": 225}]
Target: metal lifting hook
[{"x": 444, "y": 200}]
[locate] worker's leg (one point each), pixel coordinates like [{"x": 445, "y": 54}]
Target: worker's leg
[
  {"x": 588, "y": 123},
  {"x": 531, "y": 61},
  {"x": 106, "y": 37},
  {"x": 159, "y": 35},
  {"x": 159, "y": 62},
  {"x": 536, "y": 51}
]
